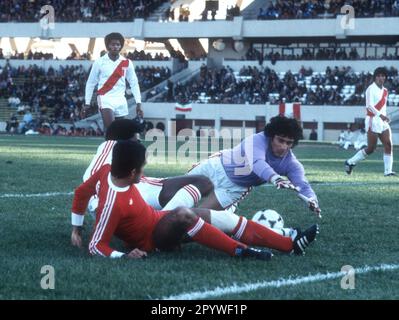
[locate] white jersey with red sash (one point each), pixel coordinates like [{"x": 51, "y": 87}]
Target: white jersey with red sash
[
  {"x": 111, "y": 76},
  {"x": 376, "y": 105}
]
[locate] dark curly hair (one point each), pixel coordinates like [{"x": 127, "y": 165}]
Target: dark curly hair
[
  {"x": 380, "y": 70},
  {"x": 122, "y": 129},
  {"x": 114, "y": 36},
  {"x": 126, "y": 156},
  {"x": 285, "y": 127}
]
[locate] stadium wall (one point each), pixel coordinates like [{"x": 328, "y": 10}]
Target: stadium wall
[
  {"x": 328, "y": 120},
  {"x": 237, "y": 29}
]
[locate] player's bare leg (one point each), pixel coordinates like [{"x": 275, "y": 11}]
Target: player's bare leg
[
  {"x": 171, "y": 229},
  {"x": 386, "y": 139},
  {"x": 173, "y": 186},
  {"x": 211, "y": 202},
  {"x": 372, "y": 139}
]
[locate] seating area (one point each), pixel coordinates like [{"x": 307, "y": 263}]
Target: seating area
[
  {"x": 78, "y": 10},
  {"x": 252, "y": 85}
]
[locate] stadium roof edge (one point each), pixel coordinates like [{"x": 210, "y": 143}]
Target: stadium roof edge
[{"x": 238, "y": 28}]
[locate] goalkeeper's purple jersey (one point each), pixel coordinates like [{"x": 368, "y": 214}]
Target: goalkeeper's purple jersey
[{"x": 252, "y": 163}]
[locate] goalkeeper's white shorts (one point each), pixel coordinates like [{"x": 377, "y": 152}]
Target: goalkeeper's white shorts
[
  {"x": 376, "y": 125},
  {"x": 227, "y": 192}
]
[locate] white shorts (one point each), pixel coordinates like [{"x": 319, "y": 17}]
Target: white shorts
[
  {"x": 376, "y": 125},
  {"x": 150, "y": 188},
  {"x": 227, "y": 192},
  {"x": 117, "y": 104}
]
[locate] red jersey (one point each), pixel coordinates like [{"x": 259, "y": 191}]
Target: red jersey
[{"x": 121, "y": 212}]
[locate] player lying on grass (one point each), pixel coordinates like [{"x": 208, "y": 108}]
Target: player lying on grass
[
  {"x": 261, "y": 158},
  {"x": 170, "y": 193},
  {"x": 123, "y": 212},
  {"x": 376, "y": 124}
]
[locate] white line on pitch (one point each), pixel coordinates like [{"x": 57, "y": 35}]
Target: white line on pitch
[
  {"x": 247, "y": 287},
  {"x": 35, "y": 195}
]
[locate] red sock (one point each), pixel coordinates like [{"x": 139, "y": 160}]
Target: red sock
[
  {"x": 254, "y": 234},
  {"x": 207, "y": 235}
]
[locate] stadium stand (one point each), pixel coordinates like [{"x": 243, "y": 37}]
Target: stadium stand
[
  {"x": 252, "y": 85},
  {"x": 56, "y": 93},
  {"x": 73, "y": 11},
  {"x": 320, "y": 9}
]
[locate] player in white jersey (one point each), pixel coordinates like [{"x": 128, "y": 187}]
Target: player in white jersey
[
  {"x": 376, "y": 124},
  {"x": 110, "y": 73}
]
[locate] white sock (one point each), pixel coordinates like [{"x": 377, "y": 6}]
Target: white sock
[
  {"x": 388, "y": 161},
  {"x": 224, "y": 220},
  {"x": 188, "y": 196},
  {"x": 359, "y": 156}
]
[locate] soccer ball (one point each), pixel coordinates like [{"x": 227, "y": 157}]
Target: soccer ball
[{"x": 269, "y": 218}]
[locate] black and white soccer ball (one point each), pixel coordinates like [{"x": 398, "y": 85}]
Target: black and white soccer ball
[{"x": 269, "y": 218}]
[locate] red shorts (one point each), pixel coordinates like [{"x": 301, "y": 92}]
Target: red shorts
[{"x": 148, "y": 242}]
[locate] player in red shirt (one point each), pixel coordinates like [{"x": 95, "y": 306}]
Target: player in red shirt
[{"x": 123, "y": 212}]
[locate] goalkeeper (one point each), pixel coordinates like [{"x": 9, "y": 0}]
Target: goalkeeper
[{"x": 263, "y": 157}]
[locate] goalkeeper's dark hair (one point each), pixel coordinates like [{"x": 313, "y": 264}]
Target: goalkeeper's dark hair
[
  {"x": 285, "y": 127},
  {"x": 380, "y": 70},
  {"x": 122, "y": 129},
  {"x": 114, "y": 36},
  {"x": 126, "y": 156}
]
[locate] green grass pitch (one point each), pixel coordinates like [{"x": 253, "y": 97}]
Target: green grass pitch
[{"x": 359, "y": 228}]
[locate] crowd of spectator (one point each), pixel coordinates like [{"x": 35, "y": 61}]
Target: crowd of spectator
[
  {"x": 142, "y": 55},
  {"x": 316, "y": 54},
  {"x": 38, "y": 55},
  {"x": 78, "y": 10},
  {"x": 58, "y": 93},
  {"x": 305, "y": 9},
  {"x": 252, "y": 85}
]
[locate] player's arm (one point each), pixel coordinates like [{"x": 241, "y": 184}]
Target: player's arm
[
  {"x": 370, "y": 106},
  {"x": 296, "y": 174},
  {"x": 131, "y": 77},
  {"x": 92, "y": 81},
  {"x": 80, "y": 200}
]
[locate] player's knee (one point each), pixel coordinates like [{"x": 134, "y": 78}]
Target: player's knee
[
  {"x": 184, "y": 216},
  {"x": 388, "y": 147},
  {"x": 205, "y": 185},
  {"x": 370, "y": 149}
]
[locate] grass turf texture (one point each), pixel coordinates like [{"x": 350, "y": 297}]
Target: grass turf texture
[{"x": 359, "y": 227}]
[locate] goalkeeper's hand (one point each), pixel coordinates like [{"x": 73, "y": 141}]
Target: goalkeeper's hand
[
  {"x": 312, "y": 203},
  {"x": 314, "y": 206},
  {"x": 281, "y": 183}
]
